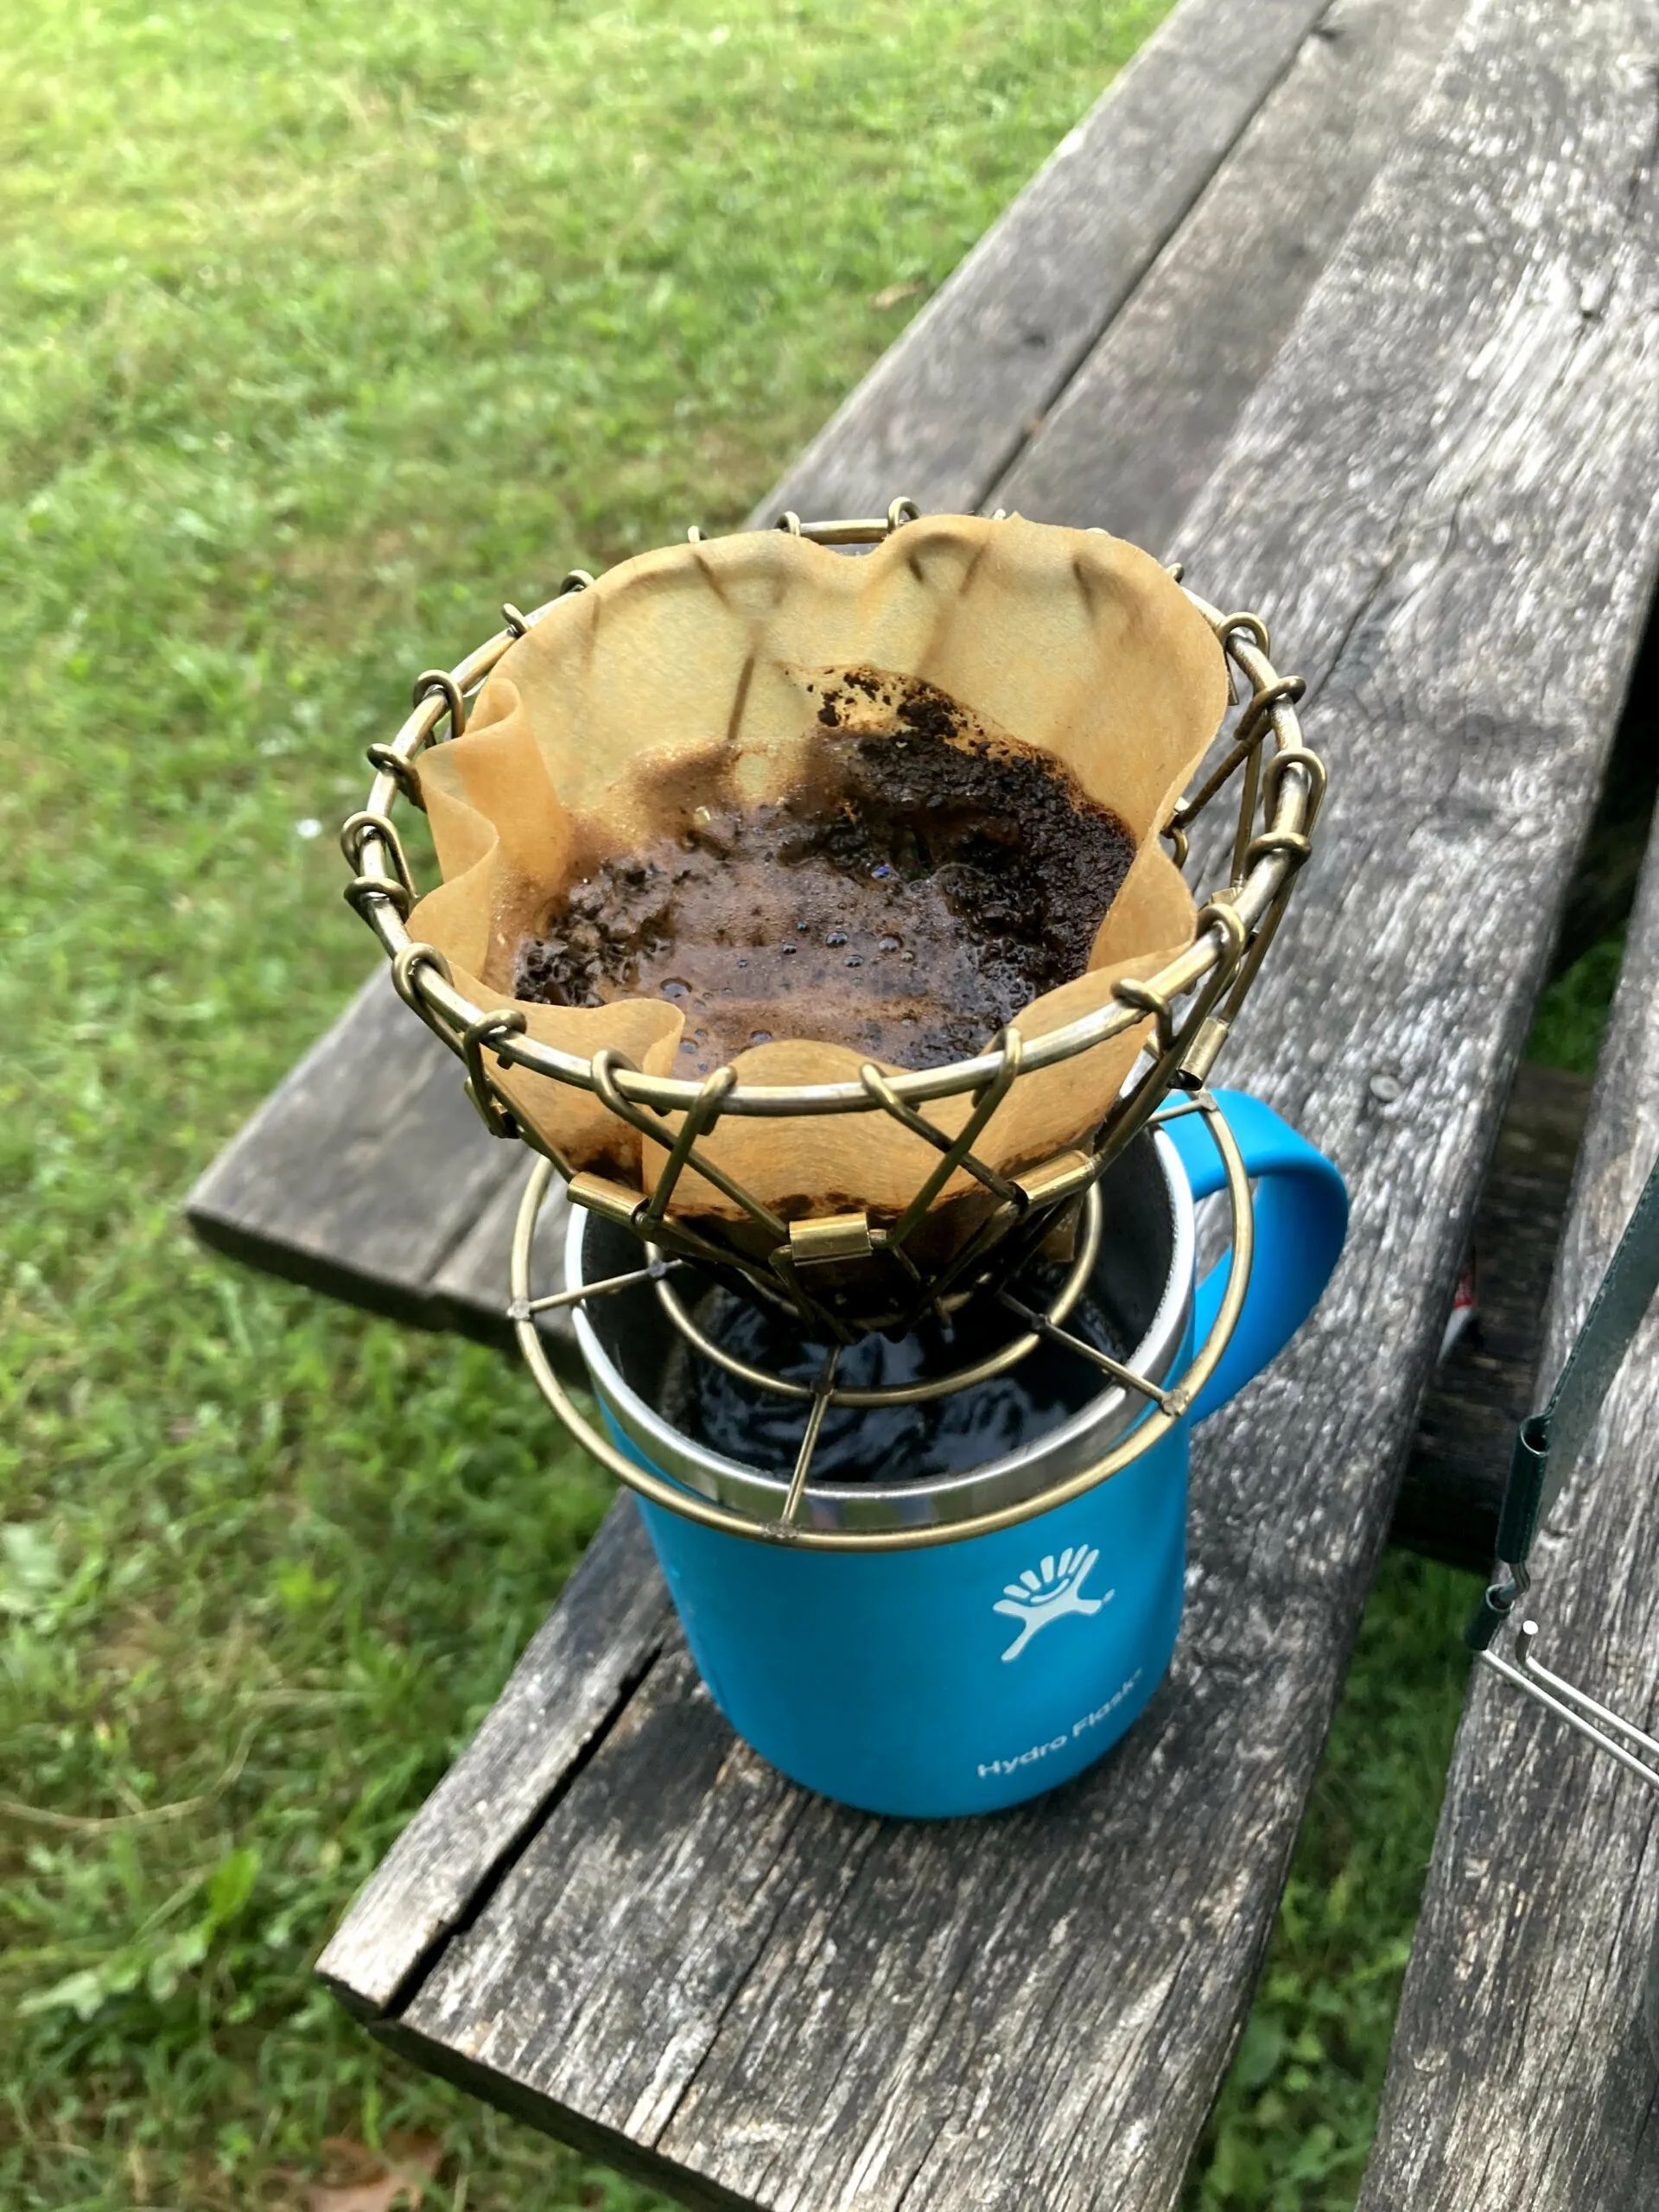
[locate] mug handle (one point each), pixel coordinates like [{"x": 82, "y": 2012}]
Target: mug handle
[{"x": 1301, "y": 1218}]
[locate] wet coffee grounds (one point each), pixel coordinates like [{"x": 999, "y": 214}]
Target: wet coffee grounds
[{"x": 919, "y": 889}]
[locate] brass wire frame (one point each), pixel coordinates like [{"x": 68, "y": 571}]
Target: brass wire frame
[
  {"x": 1193, "y": 1001},
  {"x": 1169, "y": 1404},
  {"x": 896, "y": 1393}
]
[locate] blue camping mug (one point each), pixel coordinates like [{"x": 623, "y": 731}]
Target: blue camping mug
[{"x": 970, "y": 1674}]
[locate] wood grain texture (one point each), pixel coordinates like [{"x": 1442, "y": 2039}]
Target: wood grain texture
[
  {"x": 367, "y": 1175},
  {"x": 1133, "y": 439},
  {"x": 577, "y": 1674},
  {"x": 1520, "y": 2080},
  {"x": 1445, "y": 495},
  {"x": 469, "y": 1289},
  {"x": 363, "y": 1169},
  {"x": 1454, "y": 1484},
  {"x": 945, "y": 409}
]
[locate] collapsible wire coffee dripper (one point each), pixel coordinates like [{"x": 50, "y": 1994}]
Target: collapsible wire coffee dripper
[{"x": 803, "y": 1266}]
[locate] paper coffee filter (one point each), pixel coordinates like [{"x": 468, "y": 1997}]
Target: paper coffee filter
[{"x": 685, "y": 673}]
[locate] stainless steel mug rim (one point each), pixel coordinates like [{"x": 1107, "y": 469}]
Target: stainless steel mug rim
[{"x": 930, "y": 1501}]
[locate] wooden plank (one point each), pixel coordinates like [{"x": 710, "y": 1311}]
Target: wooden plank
[
  {"x": 1448, "y": 1501},
  {"x": 575, "y": 1675},
  {"x": 947, "y": 407},
  {"x": 1520, "y": 2076},
  {"x": 367, "y": 1175},
  {"x": 364, "y": 1170},
  {"x": 469, "y": 1290},
  {"x": 1133, "y": 439},
  {"x": 800, "y": 2007}
]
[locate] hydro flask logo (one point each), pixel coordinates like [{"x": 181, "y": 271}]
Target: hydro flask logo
[{"x": 1042, "y": 1595}]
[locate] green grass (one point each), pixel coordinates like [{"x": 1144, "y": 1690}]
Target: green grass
[
  {"x": 1572, "y": 1014},
  {"x": 324, "y": 329}
]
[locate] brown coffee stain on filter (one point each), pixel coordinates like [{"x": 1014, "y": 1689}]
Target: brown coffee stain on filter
[
  {"x": 924, "y": 882},
  {"x": 717, "y": 749}
]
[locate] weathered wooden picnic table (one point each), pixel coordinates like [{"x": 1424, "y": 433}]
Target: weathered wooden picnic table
[{"x": 1351, "y": 304}]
